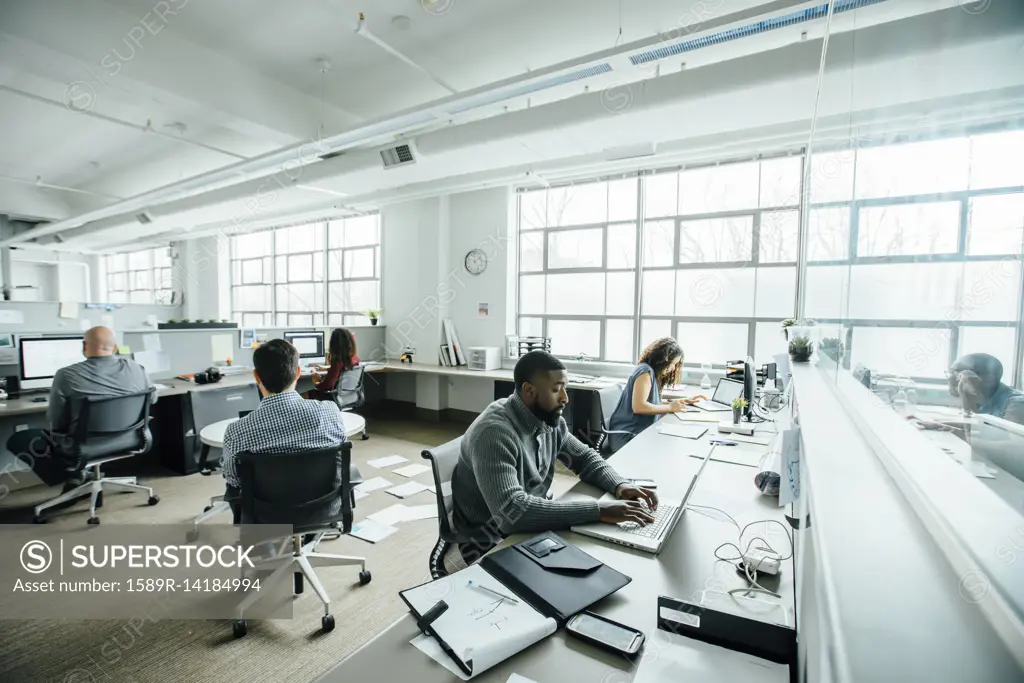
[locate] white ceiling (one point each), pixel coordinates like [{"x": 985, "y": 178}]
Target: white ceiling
[{"x": 86, "y": 108}]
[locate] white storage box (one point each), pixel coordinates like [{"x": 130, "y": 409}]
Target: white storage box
[{"x": 483, "y": 358}]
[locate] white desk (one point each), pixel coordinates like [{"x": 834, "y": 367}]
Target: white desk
[
  {"x": 494, "y": 375},
  {"x": 213, "y": 435}
]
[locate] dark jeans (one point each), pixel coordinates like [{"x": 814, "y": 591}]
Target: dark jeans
[{"x": 36, "y": 448}]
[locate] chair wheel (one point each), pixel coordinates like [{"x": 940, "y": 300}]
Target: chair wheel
[
  {"x": 298, "y": 583},
  {"x": 207, "y": 473},
  {"x": 192, "y": 536},
  {"x": 207, "y": 508},
  {"x": 365, "y": 577},
  {"x": 366, "y": 436},
  {"x": 93, "y": 520},
  {"x": 327, "y": 623},
  {"x": 239, "y": 628},
  {"x": 38, "y": 520},
  {"x": 153, "y": 500}
]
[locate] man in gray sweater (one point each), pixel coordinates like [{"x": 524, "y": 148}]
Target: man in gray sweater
[{"x": 507, "y": 463}]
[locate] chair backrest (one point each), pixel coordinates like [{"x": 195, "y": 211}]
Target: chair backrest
[
  {"x": 610, "y": 397},
  {"x": 206, "y": 406},
  {"x": 443, "y": 460},
  {"x": 348, "y": 393},
  {"x": 111, "y": 425},
  {"x": 302, "y": 488}
]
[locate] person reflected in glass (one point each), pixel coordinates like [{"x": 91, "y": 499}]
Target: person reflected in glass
[
  {"x": 342, "y": 356},
  {"x": 660, "y": 365},
  {"x": 976, "y": 379}
]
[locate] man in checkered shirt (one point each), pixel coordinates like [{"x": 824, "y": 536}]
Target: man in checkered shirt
[{"x": 284, "y": 421}]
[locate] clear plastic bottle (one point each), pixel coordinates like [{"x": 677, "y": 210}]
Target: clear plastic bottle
[{"x": 705, "y": 381}]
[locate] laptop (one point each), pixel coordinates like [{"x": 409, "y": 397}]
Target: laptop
[
  {"x": 721, "y": 400},
  {"x": 650, "y": 537}
]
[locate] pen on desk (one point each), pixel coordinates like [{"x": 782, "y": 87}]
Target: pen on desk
[
  {"x": 493, "y": 592},
  {"x": 716, "y": 442}
]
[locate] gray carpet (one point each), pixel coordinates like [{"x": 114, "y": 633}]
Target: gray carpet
[{"x": 204, "y": 651}]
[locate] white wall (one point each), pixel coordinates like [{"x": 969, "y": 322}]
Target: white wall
[{"x": 46, "y": 275}]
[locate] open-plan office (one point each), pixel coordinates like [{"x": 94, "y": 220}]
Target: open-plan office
[{"x": 518, "y": 341}]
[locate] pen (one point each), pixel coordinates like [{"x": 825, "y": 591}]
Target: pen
[
  {"x": 492, "y": 592},
  {"x": 715, "y": 442}
]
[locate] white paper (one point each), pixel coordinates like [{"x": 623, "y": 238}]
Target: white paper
[
  {"x": 734, "y": 455},
  {"x": 417, "y": 512},
  {"x": 9, "y": 316},
  {"x": 221, "y": 346},
  {"x": 390, "y": 516},
  {"x": 446, "y": 488},
  {"x": 693, "y": 432},
  {"x": 389, "y": 461},
  {"x": 371, "y": 485},
  {"x": 412, "y": 470},
  {"x": 407, "y": 489},
  {"x": 359, "y": 494},
  {"x": 789, "y": 487},
  {"x": 516, "y": 678},
  {"x": 687, "y": 659},
  {"x": 151, "y": 342},
  {"x": 756, "y": 440},
  {"x": 68, "y": 309},
  {"x": 699, "y": 416},
  {"x": 374, "y": 532}
]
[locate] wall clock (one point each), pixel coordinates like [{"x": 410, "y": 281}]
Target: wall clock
[{"x": 476, "y": 262}]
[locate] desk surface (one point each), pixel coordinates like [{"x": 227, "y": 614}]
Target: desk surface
[
  {"x": 499, "y": 374},
  {"x": 686, "y": 567},
  {"x": 213, "y": 435}
]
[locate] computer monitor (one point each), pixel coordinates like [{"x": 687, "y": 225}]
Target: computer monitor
[
  {"x": 42, "y": 357},
  {"x": 749, "y": 384},
  {"x": 310, "y": 344}
]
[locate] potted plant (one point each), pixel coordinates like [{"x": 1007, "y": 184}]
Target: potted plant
[
  {"x": 738, "y": 405},
  {"x": 800, "y": 349},
  {"x": 832, "y": 347},
  {"x": 374, "y": 315}
]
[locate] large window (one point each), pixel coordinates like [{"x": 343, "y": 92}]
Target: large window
[
  {"x": 914, "y": 256},
  {"x": 139, "y": 277},
  {"x": 315, "y": 274}
]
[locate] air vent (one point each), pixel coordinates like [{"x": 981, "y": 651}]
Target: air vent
[
  {"x": 399, "y": 155},
  {"x": 144, "y": 218}
]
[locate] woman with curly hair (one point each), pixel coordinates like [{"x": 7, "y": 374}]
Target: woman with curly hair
[
  {"x": 342, "y": 356},
  {"x": 660, "y": 365}
]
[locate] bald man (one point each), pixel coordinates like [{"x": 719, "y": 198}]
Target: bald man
[{"x": 100, "y": 375}]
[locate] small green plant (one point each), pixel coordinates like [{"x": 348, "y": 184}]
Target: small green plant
[
  {"x": 788, "y": 322},
  {"x": 739, "y": 402},
  {"x": 374, "y": 313},
  {"x": 800, "y": 349},
  {"x": 174, "y": 320}
]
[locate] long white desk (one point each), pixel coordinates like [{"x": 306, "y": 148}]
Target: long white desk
[
  {"x": 499, "y": 374},
  {"x": 686, "y": 567}
]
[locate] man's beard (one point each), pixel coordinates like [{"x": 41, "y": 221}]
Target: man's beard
[{"x": 549, "y": 417}]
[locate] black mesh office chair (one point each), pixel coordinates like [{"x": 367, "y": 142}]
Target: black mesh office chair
[
  {"x": 107, "y": 429},
  {"x": 443, "y": 460},
  {"x": 348, "y": 393},
  {"x": 302, "y": 490},
  {"x": 610, "y": 397}
]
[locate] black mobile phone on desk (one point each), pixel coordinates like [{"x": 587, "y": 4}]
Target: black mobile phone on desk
[{"x": 605, "y": 633}]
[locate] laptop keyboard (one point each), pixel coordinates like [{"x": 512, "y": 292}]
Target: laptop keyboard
[
  {"x": 712, "y": 406},
  {"x": 654, "y": 529}
]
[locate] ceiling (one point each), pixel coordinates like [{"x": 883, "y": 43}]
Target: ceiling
[{"x": 118, "y": 98}]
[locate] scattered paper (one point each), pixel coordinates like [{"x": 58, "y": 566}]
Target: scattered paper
[
  {"x": 408, "y": 489},
  {"x": 446, "y": 488},
  {"x": 371, "y": 531},
  {"x": 390, "y": 516},
  {"x": 516, "y": 678},
  {"x": 371, "y": 485},
  {"x": 221, "y": 346},
  {"x": 431, "y": 648},
  {"x": 359, "y": 494},
  {"x": 68, "y": 309},
  {"x": 981, "y": 470},
  {"x": 417, "y": 512},
  {"x": 389, "y": 461},
  {"x": 151, "y": 342},
  {"x": 10, "y": 316},
  {"x": 412, "y": 470}
]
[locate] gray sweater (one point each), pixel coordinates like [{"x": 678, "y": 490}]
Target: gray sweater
[
  {"x": 505, "y": 470},
  {"x": 96, "y": 377}
]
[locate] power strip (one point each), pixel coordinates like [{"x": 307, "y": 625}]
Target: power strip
[{"x": 762, "y": 560}]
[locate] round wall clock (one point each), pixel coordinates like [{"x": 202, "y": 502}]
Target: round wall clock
[{"x": 476, "y": 262}]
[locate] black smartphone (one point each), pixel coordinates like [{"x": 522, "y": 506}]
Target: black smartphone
[{"x": 606, "y": 634}]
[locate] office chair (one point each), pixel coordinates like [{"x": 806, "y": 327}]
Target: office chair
[
  {"x": 107, "y": 429},
  {"x": 610, "y": 397},
  {"x": 348, "y": 393},
  {"x": 301, "y": 490},
  {"x": 443, "y": 459},
  {"x": 213, "y": 405}
]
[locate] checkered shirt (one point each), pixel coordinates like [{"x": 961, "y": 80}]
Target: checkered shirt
[{"x": 283, "y": 423}]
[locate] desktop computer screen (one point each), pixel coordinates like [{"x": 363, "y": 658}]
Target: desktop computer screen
[
  {"x": 309, "y": 344},
  {"x": 42, "y": 357}
]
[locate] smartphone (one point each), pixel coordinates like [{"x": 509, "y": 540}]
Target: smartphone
[{"x": 605, "y": 633}]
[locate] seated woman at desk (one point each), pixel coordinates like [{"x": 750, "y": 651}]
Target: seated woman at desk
[
  {"x": 341, "y": 357},
  {"x": 660, "y": 365}
]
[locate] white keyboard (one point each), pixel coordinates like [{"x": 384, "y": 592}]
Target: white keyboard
[{"x": 712, "y": 407}]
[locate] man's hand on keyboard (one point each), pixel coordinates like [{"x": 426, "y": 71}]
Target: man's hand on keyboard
[
  {"x": 615, "y": 511},
  {"x": 646, "y": 496}
]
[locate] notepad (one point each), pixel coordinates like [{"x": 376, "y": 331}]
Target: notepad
[
  {"x": 683, "y": 431},
  {"x": 389, "y": 461},
  {"x": 412, "y": 470},
  {"x": 371, "y": 485},
  {"x": 407, "y": 489}
]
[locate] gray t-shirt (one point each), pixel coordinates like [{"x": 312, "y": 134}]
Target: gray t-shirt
[{"x": 100, "y": 377}]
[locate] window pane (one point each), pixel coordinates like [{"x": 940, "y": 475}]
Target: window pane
[
  {"x": 253, "y": 320},
  {"x": 651, "y": 330},
  {"x": 997, "y": 160},
  {"x": 531, "y": 294},
  {"x": 720, "y": 293},
  {"x": 712, "y": 342},
  {"x": 995, "y": 225},
  {"x": 906, "y": 352},
  {"x": 618, "y": 341},
  {"x": 281, "y": 269},
  {"x": 719, "y": 188},
  {"x": 661, "y": 191},
  {"x": 827, "y": 291},
  {"x": 531, "y": 252},
  {"x": 252, "y": 271},
  {"x": 573, "y": 337},
  {"x": 142, "y": 279},
  {"x": 299, "y": 238},
  {"x": 139, "y": 260},
  {"x": 658, "y": 294},
  {"x": 143, "y": 297},
  {"x": 359, "y": 263},
  {"x": 622, "y": 245},
  {"x": 909, "y": 229},
  {"x": 575, "y": 249},
  {"x": 990, "y": 291},
  {"x": 253, "y": 245},
  {"x": 620, "y": 293},
  {"x": 358, "y": 231},
  {"x": 533, "y": 209},
  {"x": 780, "y": 182},
  {"x": 118, "y": 282},
  {"x": 251, "y": 298},
  {"x": 161, "y": 258},
  {"x": 117, "y": 263},
  {"x": 300, "y": 268},
  {"x": 296, "y": 297},
  {"x": 299, "y": 320},
  {"x": 118, "y": 297},
  {"x": 911, "y": 291},
  {"x": 659, "y": 237},
  {"x": 575, "y": 294},
  {"x": 335, "y": 319},
  {"x": 828, "y": 234},
  {"x": 914, "y": 168},
  {"x": 164, "y": 279},
  {"x": 531, "y": 327},
  {"x": 832, "y": 176},
  {"x": 775, "y": 292},
  {"x": 578, "y": 204},
  {"x": 334, "y": 260},
  {"x": 361, "y": 320},
  {"x": 281, "y": 320},
  {"x": 768, "y": 342},
  {"x": 622, "y": 199},
  {"x": 716, "y": 240},
  {"x": 778, "y": 241},
  {"x": 995, "y": 341},
  {"x": 357, "y": 296}
]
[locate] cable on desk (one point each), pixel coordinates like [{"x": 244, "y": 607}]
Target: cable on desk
[{"x": 750, "y": 572}]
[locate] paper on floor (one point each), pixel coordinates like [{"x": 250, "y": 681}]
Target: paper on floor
[
  {"x": 374, "y": 532},
  {"x": 359, "y": 494},
  {"x": 415, "y": 512},
  {"x": 371, "y": 485},
  {"x": 410, "y": 488},
  {"x": 391, "y": 515},
  {"x": 446, "y": 488},
  {"x": 389, "y": 461},
  {"x": 516, "y": 678},
  {"x": 412, "y": 470}
]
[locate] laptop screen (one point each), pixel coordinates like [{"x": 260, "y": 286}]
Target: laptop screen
[{"x": 727, "y": 390}]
